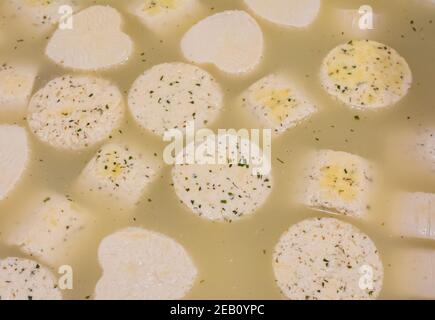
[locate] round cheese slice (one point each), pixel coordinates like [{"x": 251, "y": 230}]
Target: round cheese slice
[
  {"x": 72, "y": 113},
  {"x": 327, "y": 259},
  {"x": 365, "y": 74},
  {"x": 223, "y": 183},
  {"x": 170, "y": 95},
  {"x": 23, "y": 279},
  {"x": 139, "y": 264}
]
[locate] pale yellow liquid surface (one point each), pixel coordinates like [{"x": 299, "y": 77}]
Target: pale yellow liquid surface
[{"x": 235, "y": 260}]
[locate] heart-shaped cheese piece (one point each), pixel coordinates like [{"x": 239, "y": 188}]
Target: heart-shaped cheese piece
[
  {"x": 231, "y": 40},
  {"x": 95, "y": 41}
]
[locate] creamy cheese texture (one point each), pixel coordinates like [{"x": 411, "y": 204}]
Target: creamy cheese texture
[
  {"x": 23, "y": 279},
  {"x": 234, "y": 42},
  {"x": 170, "y": 95},
  {"x": 95, "y": 41},
  {"x": 322, "y": 258},
  {"x": 113, "y": 170},
  {"x": 140, "y": 264},
  {"x": 75, "y": 112},
  {"x": 366, "y": 74}
]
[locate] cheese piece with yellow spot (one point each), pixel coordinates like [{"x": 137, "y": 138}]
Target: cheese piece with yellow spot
[
  {"x": 95, "y": 42},
  {"x": 365, "y": 74},
  {"x": 171, "y": 95},
  {"x": 16, "y": 85},
  {"x": 231, "y": 40},
  {"x": 52, "y": 230},
  {"x": 73, "y": 113},
  {"x": 338, "y": 182},
  {"x": 24, "y": 279},
  {"x": 277, "y": 103},
  {"x": 139, "y": 264},
  {"x": 118, "y": 174},
  {"x": 286, "y": 13},
  {"x": 14, "y": 157},
  {"x": 327, "y": 259},
  {"x": 161, "y": 16}
]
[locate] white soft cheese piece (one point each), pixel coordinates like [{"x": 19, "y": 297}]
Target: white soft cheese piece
[
  {"x": 365, "y": 74},
  {"x": 277, "y": 103},
  {"x": 16, "y": 85},
  {"x": 231, "y": 40},
  {"x": 23, "y": 279},
  {"x": 170, "y": 95},
  {"x": 96, "y": 41},
  {"x": 73, "y": 113},
  {"x": 287, "y": 13},
  {"x": 226, "y": 184},
  {"x": 139, "y": 264},
  {"x": 118, "y": 174},
  {"x": 161, "y": 16},
  {"x": 325, "y": 259},
  {"x": 52, "y": 230},
  {"x": 14, "y": 157},
  {"x": 413, "y": 215},
  {"x": 337, "y": 182}
]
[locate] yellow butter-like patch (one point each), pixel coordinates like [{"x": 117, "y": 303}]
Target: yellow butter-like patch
[
  {"x": 278, "y": 101},
  {"x": 366, "y": 73},
  {"x": 110, "y": 166},
  {"x": 339, "y": 181}
]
